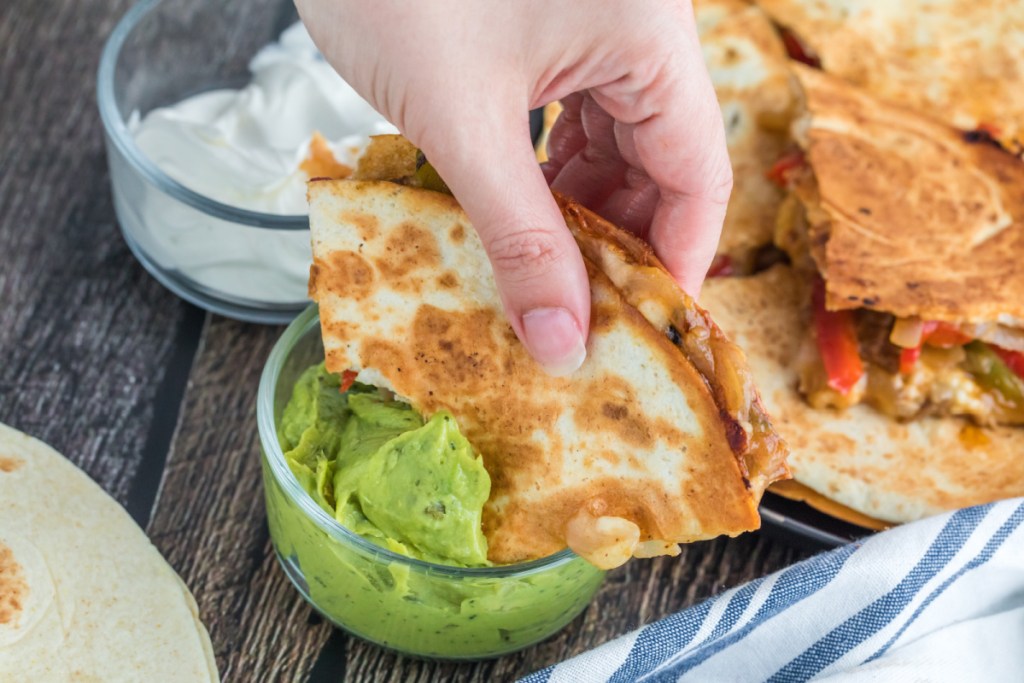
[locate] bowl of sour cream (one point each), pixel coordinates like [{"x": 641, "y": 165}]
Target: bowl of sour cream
[{"x": 215, "y": 117}]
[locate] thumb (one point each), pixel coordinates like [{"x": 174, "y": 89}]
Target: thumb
[{"x": 540, "y": 275}]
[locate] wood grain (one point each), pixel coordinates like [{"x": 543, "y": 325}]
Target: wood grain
[
  {"x": 210, "y": 521},
  {"x": 85, "y": 333}
]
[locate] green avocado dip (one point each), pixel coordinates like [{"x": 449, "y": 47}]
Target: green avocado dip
[{"x": 413, "y": 487}]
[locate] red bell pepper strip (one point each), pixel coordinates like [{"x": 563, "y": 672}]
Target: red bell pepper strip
[
  {"x": 1013, "y": 359},
  {"x": 837, "y": 343},
  {"x": 787, "y": 163},
  {"x": 797, "y": 51},
  {"x": 934, "y": 333},
  {"x": 944, "y": 335},
  {"x": 348, "y": 378},
  {"x": 908, "y": 359},
  {"x": 990, "y": 129}
]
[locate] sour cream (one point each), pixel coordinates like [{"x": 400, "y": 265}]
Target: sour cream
[{"x": 245, "y": 148}]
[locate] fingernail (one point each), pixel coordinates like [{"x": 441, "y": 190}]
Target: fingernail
[{"x": 554, "y": 339}]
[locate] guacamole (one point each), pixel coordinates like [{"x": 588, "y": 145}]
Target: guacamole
[{"x": 413, "y": 487}]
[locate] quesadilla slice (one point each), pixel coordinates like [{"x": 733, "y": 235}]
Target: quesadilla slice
[
  {"x": 959, "y": 60},
  {"x": 857, "y": 464},
  {"x": 913, "y": 233},
  {"x": 748, "y": 66},
  {"x": 629, "y": 456}
]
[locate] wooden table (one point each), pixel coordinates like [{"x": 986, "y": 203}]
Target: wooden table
[{"x": 154, "y": 398}]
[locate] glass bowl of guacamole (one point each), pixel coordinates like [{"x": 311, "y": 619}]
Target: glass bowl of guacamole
[{"x": 374, "y": 512}]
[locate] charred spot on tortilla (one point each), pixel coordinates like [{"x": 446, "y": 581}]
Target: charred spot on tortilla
[
  {"x": 368, "y": 226},
  {"x": 13, "y": 587},
  {"x": 345, "y": 273},
  {"x": 983, "y": 136},
  {"x": 9, "y": 463},
  {"x": 674, "y": 336}
]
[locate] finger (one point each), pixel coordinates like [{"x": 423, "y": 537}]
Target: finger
[
  {"x": 679, "y": 139},
  {"x": 492, "y": 170},
  {"x": 567, "y": 137},
  {"x": 598, "y": 169},
  {"x": 631, "y": 207}
]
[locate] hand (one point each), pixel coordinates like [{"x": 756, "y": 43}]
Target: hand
[{"x": 641, "y": 140}]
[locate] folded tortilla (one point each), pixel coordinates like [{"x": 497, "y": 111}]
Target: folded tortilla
[
  {"x": 956, "y": 60},
  {"x": 860, "y": 458},
  {"x": 635, "y": 452},
  {"x": 84, "y": 596},
  {"x": 749, "y": 70},
  {"x": 907, "y": 215}
]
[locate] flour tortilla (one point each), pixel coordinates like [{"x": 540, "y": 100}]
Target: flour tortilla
[
  {"x": 887, "y": 470},
  {"x": 957, "y": 60},
  {"x": 629, "y": 456},
  {"x": 750, "y": 72},
  {"x": 906, "y": 215},
  {"x": 84, "y": 596}
]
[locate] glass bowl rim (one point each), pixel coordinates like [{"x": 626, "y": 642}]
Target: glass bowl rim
[
  {"x": 336, "y": 531},
  {"x": 122, "y": 139}
]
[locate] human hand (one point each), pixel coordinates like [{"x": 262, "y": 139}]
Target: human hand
[{"x": 641, "y": 140}]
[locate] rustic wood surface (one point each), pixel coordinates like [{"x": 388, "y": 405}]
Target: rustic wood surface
[{"x": 140, "y": 389}]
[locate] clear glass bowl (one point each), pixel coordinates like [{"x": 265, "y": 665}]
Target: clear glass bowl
[
  {"x": 209, "y": 253},
  {"x": 415, "y": 607}
]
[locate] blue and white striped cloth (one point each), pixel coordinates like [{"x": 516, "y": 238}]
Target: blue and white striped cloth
[{"x": 937, "y": 600}]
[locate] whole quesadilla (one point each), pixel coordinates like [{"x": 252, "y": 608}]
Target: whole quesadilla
[
  {"x": 637, "y": 451},
  {"x": 84, "y": 596},
  {"x": 892, "y": 350},
  {"x": 748, "y": 66},
  {"x": 959, "y": 60}
]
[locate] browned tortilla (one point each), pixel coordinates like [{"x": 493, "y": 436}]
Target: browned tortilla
[
  {"x": 633, "y": 442},
  {"x": 748, "y": 67},
  {"x": 631, "y": 265},
  {"x": 908, "y": 215},
  {"x": 959, "y": 60}
]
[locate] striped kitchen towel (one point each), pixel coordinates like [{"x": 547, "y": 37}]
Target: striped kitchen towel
[{"x": 937, "y": 600}]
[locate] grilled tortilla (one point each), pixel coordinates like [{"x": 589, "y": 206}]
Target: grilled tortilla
[
  {"x": 634, "y": 453},
  {"x": 749, "y": 70},
  {"x": 890, "y": 471},
  {"x": 955, "y": 59},
  {"x": 916, "y": 230},
  {"x": 907, "y": 215}
]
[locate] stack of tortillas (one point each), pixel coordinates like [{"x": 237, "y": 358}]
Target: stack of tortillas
[{"x": 84, "y": 596}]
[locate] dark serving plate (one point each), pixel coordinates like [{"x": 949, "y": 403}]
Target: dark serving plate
[{"x": 801, "y": 525}]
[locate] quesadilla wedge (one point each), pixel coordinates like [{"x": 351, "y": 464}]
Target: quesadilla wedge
[
  {"x": 913, "y": 233},
  {"x": 750, "y": 73},
  {"x": 635, "y": 453},
  {"x": 857, "y": 464},
  {"x": 959, "y": 60}
]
